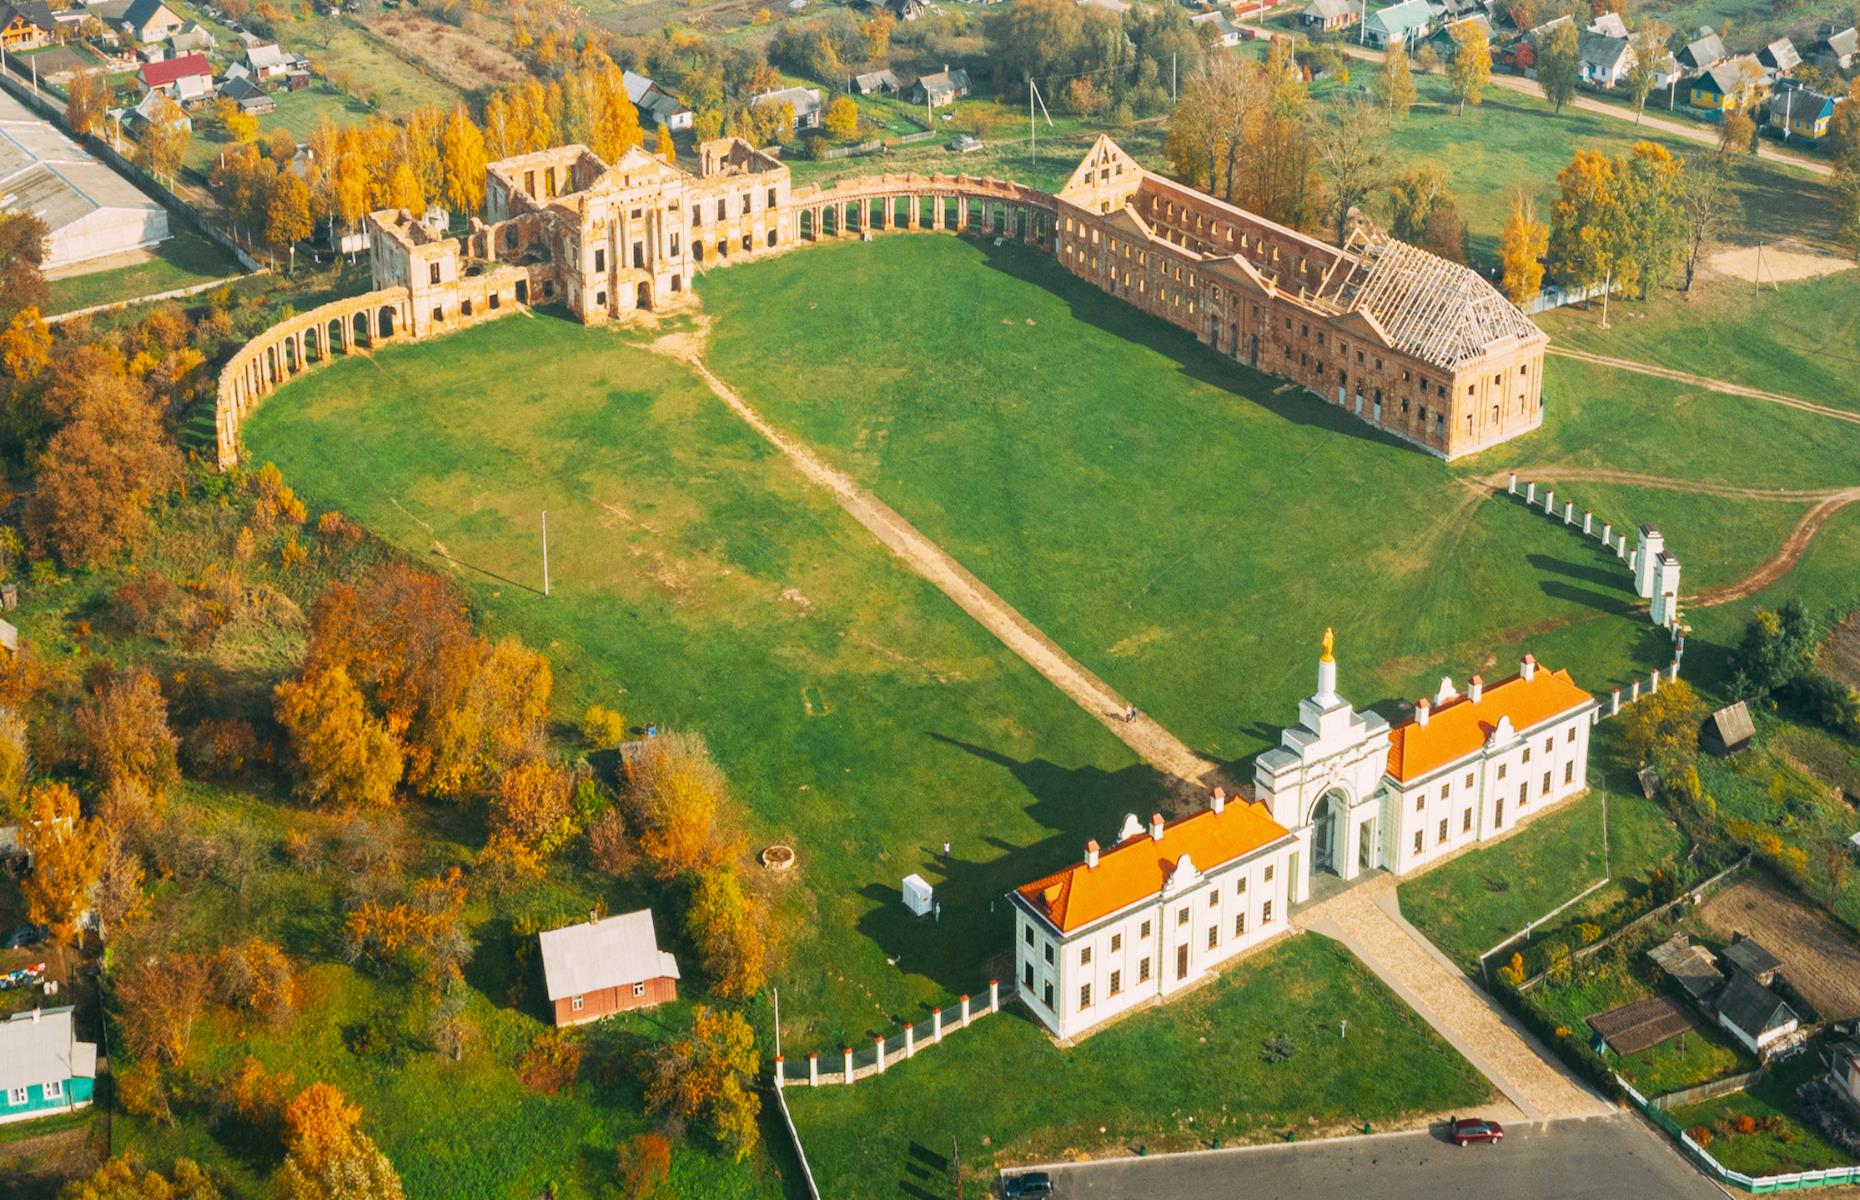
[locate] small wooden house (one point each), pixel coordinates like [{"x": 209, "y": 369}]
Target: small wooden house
[
  {"x": 600, "y": 967},
  {"x": 1728, "y": 730}
]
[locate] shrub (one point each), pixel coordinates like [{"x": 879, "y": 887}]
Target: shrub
[
  {"x": 645, "y": 1164},
  {"x": 602, "y": 728},
  {"x": 1700, "y": 1134},
  {"x": 1589, "y": 932},
  {"x": 551, "y": 1063},
  {"x": 1746, "y": 1124},
  {"x": 608, "y": 844},
  {"x": 219, "y": 749}
]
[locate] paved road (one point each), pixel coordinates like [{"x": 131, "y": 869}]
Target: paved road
[
  {"x": 1365, "y": 917},
  {"x": 1603, "y": 1158}
]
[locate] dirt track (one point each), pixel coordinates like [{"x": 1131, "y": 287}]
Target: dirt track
[
  {"x": 1793, "y": 548},
  {"x": 1716, "y": 385},
  {"x": 1818, "y": 957}
]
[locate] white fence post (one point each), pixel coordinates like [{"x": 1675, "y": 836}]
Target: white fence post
[
  {"x": 849, "y": 1070},
  {"x": 936, "y": 1024},
  {"x": 779, "y": 1073},
  {"x": 965, "y": 1012},
  {"x": 813, "y": 1068},
  {"x": 994, "y": 995},
  {"x": 879, "y": 1041},
  {"x": 910, "y": 1041}
]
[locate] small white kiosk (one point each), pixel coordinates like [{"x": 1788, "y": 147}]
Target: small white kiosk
[{"x": 918, "y": 896}]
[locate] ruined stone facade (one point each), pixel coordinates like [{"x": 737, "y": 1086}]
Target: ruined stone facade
[{"x": 1415, "y": 345}]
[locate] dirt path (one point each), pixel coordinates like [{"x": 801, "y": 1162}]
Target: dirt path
[
  {"x": 1828, "y": 502},
  {"x": 1154, "y": 744},
  {"x": 1367, "y": 919},
  {"x": 1716, "y": 385}
]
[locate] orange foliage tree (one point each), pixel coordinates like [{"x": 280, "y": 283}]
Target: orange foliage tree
[
  {"x": 709, "y": 1074},
  {"x": 530, "y": 816},
  {"x": 158, "y": 1001},
  {"x": 674, "y": 800},
  {"x": 125, "y": 734},
  {"x": 67, "y": 856},
  {"x": 341, "y": 756},
  {"x": 729, "y": 929},
  {"x": 101, "y": 474}
]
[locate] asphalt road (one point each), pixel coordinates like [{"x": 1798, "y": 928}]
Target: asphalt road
[{"x": 1605, "y": 1158}]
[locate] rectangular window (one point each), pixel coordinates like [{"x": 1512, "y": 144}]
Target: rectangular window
[
  {"x": 1569, "y": 772},
  {"x": 639, "y": 989},
  {"x": 1214, "y": 899},
  {"x": 1085, "y": 995},
  {"x": 16, "y": 1097},
  {"x": 1572, "y": 735},
  {"x": 1501, "y": 770},
  {"x": 1026, "y": 976},
  {"x": 1046, "y": 994},
  {"x": 1085, "y": 957},
  {"x": 1266, "y": 875},
  {"x": 1265, "y": 913},
  {"x": 1527, "y": 755},
  {"x": 1417, "y": 841},
  {"x": 1546, "y": 783},
  {"x": 1117, "y": 982},
  {"x": 1143, "y": 971},
  {"x": 55, "y": 1089},
  {"x": 1469, "y": 780},
  {"x": 1144, "y": 931},
  {"x": 1117, "y": 942},
  {"x": 1049, "y": 952},
  {"x": 1240, "y": 925},
  {"x": 600, "y": 260},
  {"x": 1181, "y": 961},
  {"x": 1442, "y": 836},
  {"x": 1214, "y": 936},
  {"x": 1420, "y": 802},
  {"x": 1549, "y": 745},
  {"x": 1181, "y": 918},
  {"x": 771, "y": 197},
  {"x": 1240, "y": 886},
  {"x": 1027, "y": 931},
  {"x": 574, "y": 1003}
]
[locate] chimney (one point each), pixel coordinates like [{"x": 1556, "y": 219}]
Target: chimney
[
  {"x": 1091, "y": 853},
  {"x": 1528, "y": 668},
  {"x": 1475, "y": 688},
  {"x": 1219, "y": 801},
  {"x": 35, "y": 1014},
  {"x": 1421, "y": 710},
  {"x": 1156, "y": 827}
]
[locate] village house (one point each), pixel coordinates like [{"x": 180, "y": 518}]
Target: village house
[
  {"x": 249, "y": 95},
  {"x": 44, "y": 1069},
  {"x": 1425, "y": 349},
  {"x": 1606, "y": 58},
  {"x": 1836, "y": 48},
  {"x": 1760, "y": 1020},
  {"x": 1780, "y": 57},
  {"x": 1691, "y": 966},
  {"x": 873, "y": 83},
  {"x": 656, "y": 105},
  {"x": 191, "y": 39},
  {"x": 1727, "y": 86},
  {"x": 185, "y": 80},
  {"x": 1609, "y": 23},
  {"x": 805, "y": 103},
  {"x": 150, "y": 21},
  {"x": 1844, "y": 1070},
  {"x": 1344, "y": 793},
  {"x": 1331, "y": 16},
  {"x": 1408, "y": 23},
  {"x": 601, "y": 967},
  {"x": 1801, "y": 113},
  {"x": 1218, "y": 26},
  {"x": 269, "y": 61},
  {"x": 26, "y": 25},
  {"x": 1707, "y": 50},
  {"x": 939, "y": 89}
]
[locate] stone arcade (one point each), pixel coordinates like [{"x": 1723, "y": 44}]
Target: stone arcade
[{"x": 1343, "y": 793}]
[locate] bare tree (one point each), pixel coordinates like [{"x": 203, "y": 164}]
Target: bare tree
[
  {"x": 1352, "y": 157},
  {"x": 1648, "y": 48},
  {"x": 1707, "y": 206}
]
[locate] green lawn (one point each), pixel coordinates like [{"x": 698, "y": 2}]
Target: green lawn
[
  {"x": 298, "y": 112},
  {"x": 696, "y": 582},
  {"x": 1007, "y": 1096},
  {"x": 1471, "y": 903},
  {"x": 1168, "y": 516},
  {"x": 185, "y": 259},
  {"x": 1797, "y": 1148}
]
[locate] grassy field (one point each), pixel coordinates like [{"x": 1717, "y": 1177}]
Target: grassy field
[
  {"x": 1126, "y": 529},
  {"x": 182, "y": 261},
  {"x": 1007, "y": 1097},
  {"x": 298, "y": 112},
  {"x": 1470, "y": 904},
  {"x": 1796, "y": 1148},
  {"x": 697, "y": 583}
]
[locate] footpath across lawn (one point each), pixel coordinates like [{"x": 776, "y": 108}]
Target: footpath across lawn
[{"x": 1185, "y": 1076}]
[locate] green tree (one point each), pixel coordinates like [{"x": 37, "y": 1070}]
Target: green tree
[
  {"x": 1651, "y": 234},
  {"x": 1778, "y": 648},
  {"x": 1559, "y": 65},
  {"x": 1394, "y": 86},
  {"x": 1663, "y": 728}
]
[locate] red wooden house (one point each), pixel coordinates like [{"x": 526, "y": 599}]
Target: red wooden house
[{"x": 598, "y": 968}]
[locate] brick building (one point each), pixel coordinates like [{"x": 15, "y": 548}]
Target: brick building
[
  {"x": 1418, "y": 346},
  {"x": 598, "y": 968}
]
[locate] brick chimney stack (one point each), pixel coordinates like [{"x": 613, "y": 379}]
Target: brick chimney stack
[
  {"x": 1156, "y": 827},
  {"x": 1422, "y": 710}
]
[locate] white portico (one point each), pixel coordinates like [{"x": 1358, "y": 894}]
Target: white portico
[{"x": 1324, "y": 782}]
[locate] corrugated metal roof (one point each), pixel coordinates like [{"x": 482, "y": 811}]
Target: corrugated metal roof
[
  {"x": 34, "y": 1052},
  {"x": 593, "y": 955}
]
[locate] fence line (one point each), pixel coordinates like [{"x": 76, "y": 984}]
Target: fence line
[
  {"x": 1758, "y": 1184},
  {"x": 1529, "y": 926},
  {"x": 112, "y": 305},
  {"x": 1709, "y": 1090},
  {"x": 852, "y": 1065},
  {"x": 863, "y": 148},
  {"x": 794, "y": 1135}
]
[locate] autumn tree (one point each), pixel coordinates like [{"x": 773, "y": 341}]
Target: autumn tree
[
  {"x": 1647, "y": 48},
  {"x": 341, "y": 756},
  {"x": 673, "y": 802},
  {"x": 1663, "y": 728},
  {"x": 1521, "y": 249},
  {"x": 1394, "y": 85},
  {"x": 118, "y": 898},
  {"x": 86, "y": 98},
  {"x": 1707, "y": 207},
  {"x": 462, "y": 161},
  {"x": 1471, "y": 67},
  {"x": 602, "y": 728},
  {"x": 235, "y": 122},
  {"x": 709, "y": 1075},
  {"x": 23, "y": 240},
  {"x": 729, "y": 929},
  {"x": 664, "y": 146},
  {"x": 287, "y": 209},
  {"x": 25, "y": 346},
  {"x": 530, "y": 816},
  {"x": 66, "y": 851},
  {"x": 256, "y": 976},
  {"x": 615, "y": 120},
  {"x": 1585, "y": 221},
  {"x": 328, "y": 1156},
  {"x": 123, "y": 727},
  {"x": 101, "y": 473},
  {"x": 1352, "y": 158},
  {"x": 120, "y": 1179},
  {"x": 1651, "y": 232},
  {"x": 1737, "y": 134},
  {"x": 645, "y": 1163},
  {"x": 164, "y": 140},
  {"x": 158, "y": 1002},
  {"x": 1559, "y": 65},
  {"x": 842, "y": 118},
  {"x": 15, "y": 766}
]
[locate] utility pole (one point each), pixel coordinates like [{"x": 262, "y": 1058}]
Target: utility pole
[
  {"x": 545, "y": 540},
  {"x": 775, "y": 994},
  {"x": 1608, "y": 287},
  {"x": 1172, "y": 77}
]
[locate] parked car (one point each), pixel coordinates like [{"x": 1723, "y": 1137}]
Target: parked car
[
  {"x": 1475, "y": 1129},
  {"x": 26, "y": 935},
  {"x": 962, "y": 143},
  {"x": 1027, "y": 1184}
]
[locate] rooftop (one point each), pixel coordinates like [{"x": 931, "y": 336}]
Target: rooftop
[
  {"x": 592, "y": 955},
  {"x": 42, "y": 1045},
  {"x": 1140, "y": 866},
  {"x": 1461, "y": 726}
]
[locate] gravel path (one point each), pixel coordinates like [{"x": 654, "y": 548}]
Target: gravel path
[{"x": 1367, "y": 919}]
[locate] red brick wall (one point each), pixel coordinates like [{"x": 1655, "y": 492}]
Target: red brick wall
[{"x": 607, "y": 1001}]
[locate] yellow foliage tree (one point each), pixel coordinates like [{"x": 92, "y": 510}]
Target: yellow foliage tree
[
  {"x": 67, "y": 856},
  {"x": 674, "y": 803},
  {"x": 342, "y": 756},
  {"x": 530, "y": 816},
  {"x": 616, "y": 121},
  {"x": 1521, "y": 248},
  {"x": 842, "y": 119},
  {"x": 1471, "y": 69},
  {"x": 25, "y": 345},
  {"x": 123, "y": 728},
  {"x": 667, "y": 149},
  {"x": 709, "y": 1074},
  {"x": 729, "y": 930},
  {"x": 462, "y": 162}
]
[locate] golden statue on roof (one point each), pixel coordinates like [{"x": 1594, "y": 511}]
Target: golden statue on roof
[{"x": 1330, "y": 644}]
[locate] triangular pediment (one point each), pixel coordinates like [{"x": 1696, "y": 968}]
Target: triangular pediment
[{"x": 1104, "y": 155}]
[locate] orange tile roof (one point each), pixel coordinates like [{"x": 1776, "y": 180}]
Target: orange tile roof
[
  {"x": 1459, "y": 727},
  {"x": 1137, "y": 867}
]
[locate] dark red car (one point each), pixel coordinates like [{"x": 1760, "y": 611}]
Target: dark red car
[{"x": 1474, "y": 1129}]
